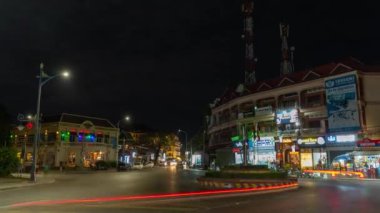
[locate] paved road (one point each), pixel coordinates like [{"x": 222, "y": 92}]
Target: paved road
[
  {"x": 313, "y": 196},
  {"x": 108, "y": 183}
]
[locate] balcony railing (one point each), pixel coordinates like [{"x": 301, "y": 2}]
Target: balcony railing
[
  {"x": 313, "y": 131},
  {"x": 312, "y": 105}
]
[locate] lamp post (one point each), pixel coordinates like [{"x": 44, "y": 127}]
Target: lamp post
[
  {"x": 127, "y": 118},
  {"x": 43, "y": 78},
  {"x": 179, "y": 131}
]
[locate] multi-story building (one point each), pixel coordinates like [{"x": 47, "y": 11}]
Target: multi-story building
[
  {"x": 305, "y": 119},
  {"x": 72, "y": 140}
]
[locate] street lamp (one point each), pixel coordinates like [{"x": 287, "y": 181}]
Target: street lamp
[
  {"x": 126, "y": 118},
  {"x": 191, "y": 150},
  {"x": 43, "y": 78}
]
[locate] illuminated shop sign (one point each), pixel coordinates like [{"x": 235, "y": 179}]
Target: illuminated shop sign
[
  {"x": 287, "y": 116},
  {"x": 238, "y": 144},
  {"x": 263, "y": 110},
  {"x": 341, "y": 138},
  {"x": 331, "y": 138},
  {"x": 265, "y": 142},
  {"x": 366, "y": 142},
  {"x": 345, "y": 138},
  {"x": 311, "y": 141},
  {"x": 235, "y": 138},
  {"x": 286, "y": 140}
]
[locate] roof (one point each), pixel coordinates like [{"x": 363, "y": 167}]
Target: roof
[
  {"x": 322, "y": 71},
  {"x": 77, "y": 119}
]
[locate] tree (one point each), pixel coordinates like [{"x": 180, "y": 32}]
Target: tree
[
  {"x": 5, "y": 127},
  {"x": 8, "y": 161},
  {"x": 160, "y": 141},
  {"x": 197, "y": 141}
]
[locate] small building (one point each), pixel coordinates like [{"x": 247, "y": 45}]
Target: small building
[{"x": 68, "y": 139}]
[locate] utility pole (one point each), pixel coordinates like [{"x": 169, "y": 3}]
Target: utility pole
[{"x": 245, "y": 159}]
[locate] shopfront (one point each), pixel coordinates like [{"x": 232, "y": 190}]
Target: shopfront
[
  {"x": 367, "y": 157},
  {"x": 312, "y": 152},
  {"x": 262, "y": 152},
  {"x": 287, "y": 152},
  {"x": 339, "y": 145}
]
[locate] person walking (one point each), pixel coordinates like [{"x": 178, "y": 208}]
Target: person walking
[{"x": 372, "y": 172}]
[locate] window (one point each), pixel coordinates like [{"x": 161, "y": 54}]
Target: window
[
  {"x": 73, "y": 135},
  {"x": 30, "y": 138},
  {"x": 29, "y": 156},
  {"x": 289, "y": 104},
  {"x": 99, "y": 138},
  {"x": 314, "y": 124},
  {"x": 42, "y": 137},
  {"x": 89, "y": 137},
  {"x": 106, "y": 138},
  {"x": 80, "y": 137},
  {"x": 313, "y": 100},
  {"x": 51, "y": 136}
]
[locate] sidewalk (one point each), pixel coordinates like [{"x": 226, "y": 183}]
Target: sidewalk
[{"x": 23, "y": 180}]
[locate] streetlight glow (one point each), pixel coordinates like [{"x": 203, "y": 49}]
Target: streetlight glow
[
  {"x": 126, "y": 118},
  {"x": 186, "y": 152},
  {"x": 66, "y": 74},
  {"x": 43, "y": 78}
]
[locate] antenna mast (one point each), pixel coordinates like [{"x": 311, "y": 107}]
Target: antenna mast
[
  {"x": 250, "y": 60},
  {"x": 286, "y": 64}
]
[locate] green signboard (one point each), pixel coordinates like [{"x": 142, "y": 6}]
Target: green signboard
[{"x": 235, "y": 138}]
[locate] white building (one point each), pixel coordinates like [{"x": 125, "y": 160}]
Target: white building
[{"x": 72, "y": 140}]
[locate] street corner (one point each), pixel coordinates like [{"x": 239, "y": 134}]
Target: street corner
[
  {"x": 11, "y": 183},
  {"x": 23, "y": 180}
]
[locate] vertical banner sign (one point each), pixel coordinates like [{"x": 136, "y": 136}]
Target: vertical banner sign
[{"x": 342, "y": 107}]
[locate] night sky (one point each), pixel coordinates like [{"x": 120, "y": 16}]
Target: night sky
[{"x": 163, "y": 62}]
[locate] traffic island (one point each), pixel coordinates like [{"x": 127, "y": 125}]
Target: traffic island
[{"x": 246, "y": 177}]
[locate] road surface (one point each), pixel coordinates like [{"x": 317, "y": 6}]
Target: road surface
[{"x": 312, "y": 196}]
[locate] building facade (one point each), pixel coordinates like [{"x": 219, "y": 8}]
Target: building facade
[
  {"x": 70, "y": 140},
  {"x": 305, "y": 119}
]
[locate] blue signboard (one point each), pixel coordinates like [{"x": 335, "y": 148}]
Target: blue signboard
[
  {"x": 342, "y": 107},
  {"x": 286, "y": 116}
]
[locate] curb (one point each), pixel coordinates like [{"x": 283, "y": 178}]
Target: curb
[
  {"x": 232, "y": 183},
  {"x": 342, "y": 179},
  {"x": 25, "y": 183}
]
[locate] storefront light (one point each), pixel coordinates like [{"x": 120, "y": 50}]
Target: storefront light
[{"x": 345, "y": 138}]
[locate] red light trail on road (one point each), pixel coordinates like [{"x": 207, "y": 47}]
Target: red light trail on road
[{"x": 153, "y": 196}]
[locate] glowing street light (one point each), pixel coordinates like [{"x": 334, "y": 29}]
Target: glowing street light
[
  {"x": 66, "y": 74},
  {"x": 186, "y": 152},
  {"x": 126, "y": 118},
  {"x": 43, "y": 78}
]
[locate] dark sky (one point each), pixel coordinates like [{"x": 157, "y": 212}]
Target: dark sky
[{"x": 164, "y": 61}]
